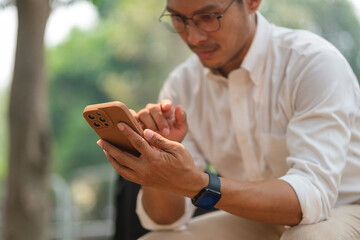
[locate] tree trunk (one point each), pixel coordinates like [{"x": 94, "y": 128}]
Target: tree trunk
[{"x": 27, "y": 184}]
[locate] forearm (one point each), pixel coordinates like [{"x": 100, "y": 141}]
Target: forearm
[
  {"x": 271, "y": 201},
  {"x": 162, "y": 207}
]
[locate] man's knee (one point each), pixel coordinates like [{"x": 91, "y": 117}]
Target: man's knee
[
  {"x": 344, "y": 225},
  {"x": 308, "y": 232}
]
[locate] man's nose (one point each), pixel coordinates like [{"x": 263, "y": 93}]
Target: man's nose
[{"x": 195, "y": 35}]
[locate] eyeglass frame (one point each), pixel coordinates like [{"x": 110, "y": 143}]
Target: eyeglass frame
[{"x": 186, "y": 20}]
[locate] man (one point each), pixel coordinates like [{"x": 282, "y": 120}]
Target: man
[{"x": 275, "y": 111}]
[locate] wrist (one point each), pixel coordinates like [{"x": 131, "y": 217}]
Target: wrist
[
  {"x": 199, "y": 182},
  {"x": 208, "y": 197}
]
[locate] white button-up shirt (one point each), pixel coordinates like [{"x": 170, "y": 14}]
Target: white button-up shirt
[{"x": 291, "y": 111}]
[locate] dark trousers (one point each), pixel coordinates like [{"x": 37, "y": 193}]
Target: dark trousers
[{"x": 127, "y": 224}]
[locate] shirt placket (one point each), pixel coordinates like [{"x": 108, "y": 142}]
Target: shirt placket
[{"x": 240, "y": 118}]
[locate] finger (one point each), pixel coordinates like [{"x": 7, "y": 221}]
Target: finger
[
  {"x": 180, "y": 117},
  {"x": 135, "y": 115},
  {"x": 122, "y": 170},
  {"x": 122, "y": 157},
  {"x": 166, "y": 108},
  {"x": 159, "y": 141},
  {"x": 138, "y": 142},
  {"x": 160, "y": 120},
  {"x": 147, "y": 120}
]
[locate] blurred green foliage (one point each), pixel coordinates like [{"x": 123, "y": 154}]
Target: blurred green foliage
[{"x": 4, "y": 130}]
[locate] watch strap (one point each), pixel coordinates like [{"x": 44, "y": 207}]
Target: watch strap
[
  {"x": 214, "y": 182},
  {"x": 214, "y": 185}
]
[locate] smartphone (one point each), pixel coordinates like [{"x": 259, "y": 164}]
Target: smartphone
[{"x": 104, "y": 117}]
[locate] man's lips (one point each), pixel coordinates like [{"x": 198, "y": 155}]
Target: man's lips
[{"x": 205, "y": 53}]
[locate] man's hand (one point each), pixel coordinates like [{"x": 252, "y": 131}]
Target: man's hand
[
  {"x": 164, "y": 119},
  {"x": 167, "y": 165},
  {"x": 163, "y": 164}
]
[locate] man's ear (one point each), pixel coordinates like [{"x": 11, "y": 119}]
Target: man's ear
[{"x": 253, "y": 5}]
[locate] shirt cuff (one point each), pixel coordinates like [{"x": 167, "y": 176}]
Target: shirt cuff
[
  {"x": 309, "y": 198},
  {"x": 148, "y": 223}
]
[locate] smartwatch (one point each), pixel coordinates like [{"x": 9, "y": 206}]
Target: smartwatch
[{"x": 210, "y": 195}]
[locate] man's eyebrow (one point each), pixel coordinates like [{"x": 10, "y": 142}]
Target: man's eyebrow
[{"x": 201, "y": 10}]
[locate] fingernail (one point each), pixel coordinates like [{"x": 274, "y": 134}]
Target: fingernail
[
  {"x": 99, "y": 143},
  {"x": 165, "y": 131},
  {"x": 166, "y": 104},
  {"x": 121, "y": 126},
  {"x": 148, "y": 134}
]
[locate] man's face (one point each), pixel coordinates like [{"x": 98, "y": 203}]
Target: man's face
[{"x": 225, "y": 48}]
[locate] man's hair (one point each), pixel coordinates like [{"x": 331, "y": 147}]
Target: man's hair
[{"x": 239, "y": 1}]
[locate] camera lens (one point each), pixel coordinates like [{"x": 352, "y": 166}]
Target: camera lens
[
  {"x": 97, "y": 124},
  {"x": 91, "y": 116},
  {"x": 106, "y": 124},
  {"x": 102, "y": 119},
  {"x": 99, "y": 113}
]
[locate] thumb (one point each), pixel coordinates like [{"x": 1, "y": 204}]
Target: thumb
[{"x": 158, "y": 141}]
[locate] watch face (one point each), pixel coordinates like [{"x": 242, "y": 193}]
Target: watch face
[{"x": 207, "y": 199}]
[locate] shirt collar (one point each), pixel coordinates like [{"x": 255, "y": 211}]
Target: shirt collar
[{"x": 254, "y": 61}]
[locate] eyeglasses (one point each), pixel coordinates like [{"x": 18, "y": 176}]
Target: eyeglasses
[{"x": 209, "y": 22}]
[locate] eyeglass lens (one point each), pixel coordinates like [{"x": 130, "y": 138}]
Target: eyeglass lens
[{"x": 205, "y": 21}]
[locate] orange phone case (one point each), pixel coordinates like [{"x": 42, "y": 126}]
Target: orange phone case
[{"x": 104, "y": 117}]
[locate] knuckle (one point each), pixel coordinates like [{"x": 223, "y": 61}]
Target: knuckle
[
  {"x": 157, "y": 141},
  {"x": 150, "y": 106},
  {"x": 155, "y": 110},
  {"x": 179, "y": 148},
  {"x": 143, "y": 112}
]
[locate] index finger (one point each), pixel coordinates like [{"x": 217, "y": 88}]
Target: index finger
[
  {"x": 135, "y": 115},
  {"x": 166, "y": 108}
]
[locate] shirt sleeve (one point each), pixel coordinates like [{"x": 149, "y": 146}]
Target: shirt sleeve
[
  {"x": 149, "y": 224},
  {"x": 325, "y": 103}
]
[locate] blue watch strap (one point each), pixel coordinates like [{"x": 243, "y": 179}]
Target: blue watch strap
[{"x": 214, "y": 182}]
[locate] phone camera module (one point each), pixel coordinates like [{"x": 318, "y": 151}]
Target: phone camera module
[
  {"x": 97, "y": 124},
  {"x": 91, "y": 116},
  {"x": 102, "y": 119}
]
